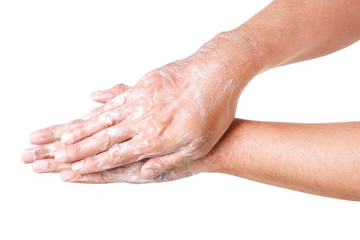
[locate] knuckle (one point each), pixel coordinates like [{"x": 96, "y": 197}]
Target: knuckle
[
  {"x": 107, "y": 119},
  {"x": 120, "y": 100},
  {"x": 75, "y": 149},
  {"x": 52, "y": 166},
  {"x": 104, "y": 140},
  {"x": 112, "y": 117},
  {"x": 116, "y": 152},
  {"x": 51, "y": 134},
  {"x": 122, "y": 87},
  {"x": 163, "y": 164},
  {"x": 41, "y": 151},
  {"x": 117, "y": 132}
]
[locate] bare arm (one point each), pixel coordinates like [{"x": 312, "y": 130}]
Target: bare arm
[
  {"x": 177, "y": 113},
  {"x": 288, "y": 31},
  {"x": 321, "y": 159}
]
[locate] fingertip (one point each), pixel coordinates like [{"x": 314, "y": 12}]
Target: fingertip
[
  {"x": 28, "y": 156},
  {"x": 101, "y": 96},
  {"x": 36, "y": 138},
  {"x": 67, "y": 175},
  {"x": 40, "y": 166},
  {"x": 96, "y": 93}
]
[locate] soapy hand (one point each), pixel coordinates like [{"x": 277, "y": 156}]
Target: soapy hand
[
  {"x": 48, "y": 139},
  {"x": 43, "y": 161},
  {"x": 130, "y": 173},
  {"x": 173, "y": 115}
]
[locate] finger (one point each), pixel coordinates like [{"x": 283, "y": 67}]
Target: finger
[
  {"x": 40, "y": 152},
  {"x": 51, "y": 134},
  {"x": 118, "y": 155},
  {"x": 113, "y": 97},
  {"x": 162, "y": 164},
  {"x": 110, "y": 105},
  {"x": 95, "y": 144},
  {"x": 49, "y": 166},
  {"x": 108, "y": 94},
  {"x": 94, "y": 125},
  {"x": 129, "y": 174}
]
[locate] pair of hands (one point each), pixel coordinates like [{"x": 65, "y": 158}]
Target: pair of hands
[
  {"x": 151, "y": 132},
  {"x": 49, "y": 141}
]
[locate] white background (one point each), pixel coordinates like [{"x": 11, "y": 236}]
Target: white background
[{"x": 53, "y": 53}]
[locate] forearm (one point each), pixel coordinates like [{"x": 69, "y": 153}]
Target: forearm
[
  {"x": 290, "y": 31},
  {"x": 321, "y": 159}
]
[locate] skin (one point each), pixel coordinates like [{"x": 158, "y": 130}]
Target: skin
[
  {"x": 321, "y": 159},
  {"x": 176, "y": 114},
  {"x": 48, "y": 139},
  {"x": 173, "y": 115}
]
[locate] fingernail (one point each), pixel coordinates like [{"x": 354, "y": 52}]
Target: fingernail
[
  {"x": 40, "y": 165},
  {"x": 77, "y": 166},
  {"x": 60, "y": 155},
  {"x": 67, "y": 138},
  {"x": 36, "y": 138},
  {"x": 149, "y": 173},
  {"x": 28, "y": 156},
  {"x": 67, "y": 175},
  {"x": 87, "y": 116}
]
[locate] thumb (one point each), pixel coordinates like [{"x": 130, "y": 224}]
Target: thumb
[{"x": 108, "y": 94}]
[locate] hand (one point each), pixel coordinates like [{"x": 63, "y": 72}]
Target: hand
[
  {"x": 48, "y": 139},
  {"x": 173, "y": 115},
  {"x": 42, "y": 156},
  {"x": 42, "y": 159},
  {"x": 130, "y": 173}
]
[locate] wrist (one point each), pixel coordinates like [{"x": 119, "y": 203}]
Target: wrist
[
  {"x": 234, "y": 150},
  {"x": 230, "y": 55},
  {"x": 243, "y": 54}
]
